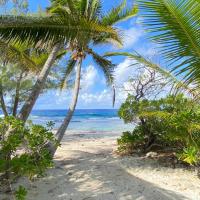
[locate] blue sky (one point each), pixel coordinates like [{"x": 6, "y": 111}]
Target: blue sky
[{"x": 94, "y": 91}]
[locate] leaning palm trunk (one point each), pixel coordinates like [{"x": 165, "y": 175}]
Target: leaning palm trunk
[
  {"x": 30, "y": 102},
  {"x": 2, "y": 102},
  {"x": 17, "y": 94},
  {"x": 61, "y": 131}
]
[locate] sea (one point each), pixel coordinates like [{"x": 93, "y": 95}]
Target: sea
[{"x": 83, "y": 120}]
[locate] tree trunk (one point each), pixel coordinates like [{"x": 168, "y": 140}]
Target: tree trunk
[
  {"x": 148, "y": 133},
  {"x": 36, "y": 90},
  {"x": 61, "y": 131},
  {"x": 5, "y": 185},
  {"x": 3, "y": 105},
  {"x": 16, "y": 100}
]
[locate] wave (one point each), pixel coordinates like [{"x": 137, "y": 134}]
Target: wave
[
  {"x": 83, "y": 112},
  {"x": 94, "y": 117}
]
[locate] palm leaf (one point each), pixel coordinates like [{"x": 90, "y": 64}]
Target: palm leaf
[
  {"x": 107, "y": 38},
  {"x": 68, "y": 70},
  {"x": 61, "y": 54},
  {"x": 172, "y": 80},
  {"x": 94, "y": 9},
  {"x": 48, "y": 29},
  {"x": 84, "y": 7},
  {"x": 15, "y": 53},
  {"x": 118, "y": 14},
  {"x": 105, "y": 65},
  {"x": 115, "y": 15},
  {"x": 174, "y": 25},
  {"x": 63, "y": 7}
]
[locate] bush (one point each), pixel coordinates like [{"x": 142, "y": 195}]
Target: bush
[
  {"x": 129, "y": 141},
  {"x": 23, "y": 152},
  {"x": 190, "y": 155},
  {"x": 172, "y": 122}
]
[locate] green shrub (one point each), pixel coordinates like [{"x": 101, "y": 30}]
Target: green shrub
[
  {"x": 21, "y": 193},
  {"x": 129, "y": 140},
  {"x": 190, "y": 155},
  {"x": 23, "y": 152},
  {"x": 173, "y": 121}
]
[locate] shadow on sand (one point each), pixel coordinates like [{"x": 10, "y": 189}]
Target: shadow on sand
[{"x": 103, "y": 180}]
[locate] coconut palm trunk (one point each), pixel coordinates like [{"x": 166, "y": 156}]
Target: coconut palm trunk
[
  {"x": 17, "y": 95},
  {"x": 36, "y": 90},
  {"x": 61, "y": 131},
  {"x": 2, "y": 102}
]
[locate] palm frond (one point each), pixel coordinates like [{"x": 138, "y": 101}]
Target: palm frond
[
  {"x": 38, "y": 59},
  {"x": 48, "y": 29},
  {"x": 68, "y": 70},
  {"x": 72, "y": 6},
  {"x": 94, "y": 9},
  {"x": 61, "y": 54},
  {"x": 114, "y": 96},
  {"x": 64, "y": 7},
  {"x": 107, "y": 38},
  {"x": 171, "y": 79},
  {"x": 119, "y": 14},
  {"x": 15, "y": 53},
  {"x": 84, "y": 5},
  {"x": 174, "y": 25},
  {"x": 105, "y": 65}
]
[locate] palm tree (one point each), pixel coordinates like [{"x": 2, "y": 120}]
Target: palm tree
[
  {"x": 16, "y": 54},
  {"x": 175, "y": 26},
  {"x": 79, "y": 49},
  {"x": 16, "y": 78},
  {"x": 54, "y": 31}
]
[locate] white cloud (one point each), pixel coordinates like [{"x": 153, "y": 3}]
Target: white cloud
[
  {"x": 90, "y": 76},
  {"x": 98, "y": 99},
  {"x": 89, "y": 96},
  {"x": 131, "y": 36},
  {"x": 101, "y": 99},
  {"x": 124, "y": 71}
]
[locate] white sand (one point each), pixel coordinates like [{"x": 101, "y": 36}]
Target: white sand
[{"x": 87, "y": 169}]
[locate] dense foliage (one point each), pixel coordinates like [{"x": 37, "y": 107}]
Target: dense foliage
[
  {"x": 171, "y": 122},
  {"x": 23, "y": 152}
]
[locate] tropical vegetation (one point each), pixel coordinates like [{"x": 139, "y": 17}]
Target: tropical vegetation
[
  {"x": 174, "y": 27},
  {"x": 32, "y": 46},
  {"x": 22, "y": 153},
  {"x": 169, "y": 124}
]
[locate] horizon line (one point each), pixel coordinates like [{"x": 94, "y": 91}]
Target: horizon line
[{"x": 79, "y": 109}]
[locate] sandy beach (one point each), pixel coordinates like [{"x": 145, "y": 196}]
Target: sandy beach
[{"x": 86, "y": 168}]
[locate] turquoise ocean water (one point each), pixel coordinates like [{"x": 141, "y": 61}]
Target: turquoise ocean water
[{"x": 84, "y": 120}]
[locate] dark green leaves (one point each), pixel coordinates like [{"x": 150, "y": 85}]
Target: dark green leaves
[
  {"x": 169, "y": 123},
  {"x": 48, "y": 29},
  {"x": 18, "y": 54},
  {"x": 175, "y": 26},
  {"x": 23, "y": 151}
]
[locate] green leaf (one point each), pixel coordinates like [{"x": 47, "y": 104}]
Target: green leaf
[
  {"x": 105, "y": 65},
  {"x": 118, "y": 14},
  {"x": 67, "y": 71},
  {"x": 174, "y": 25}
]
